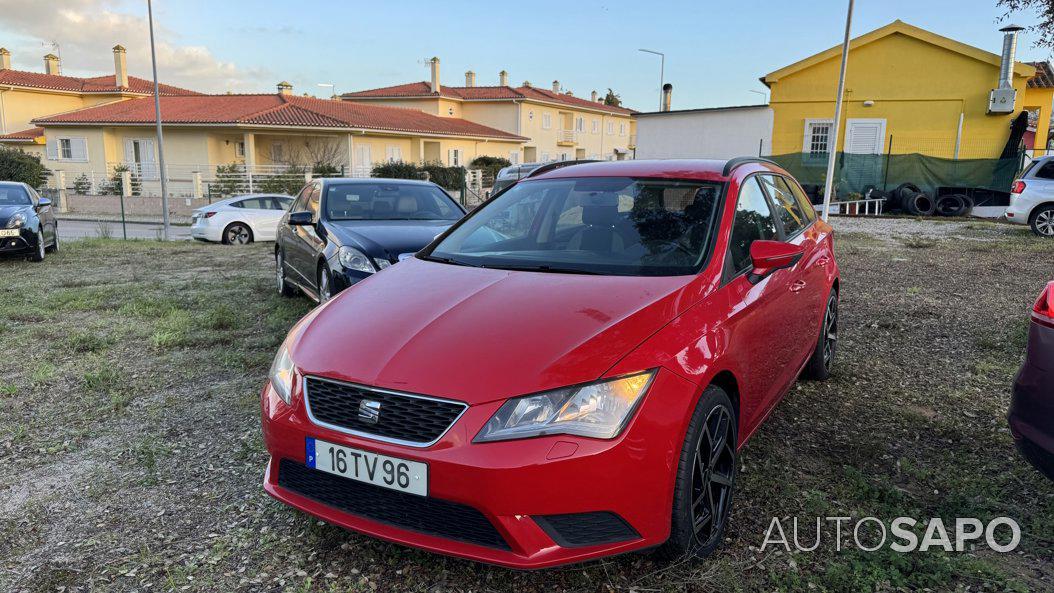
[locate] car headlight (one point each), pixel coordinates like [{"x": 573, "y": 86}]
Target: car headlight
[
  {"x": 281, "y": 375},
  {"x": 599, "y": 410},
  {"x": 353, "y": 259},
  {"x": 18, "y": 220},
  {"x": 381, "y": 263}
]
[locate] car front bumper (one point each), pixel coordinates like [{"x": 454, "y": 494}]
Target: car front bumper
[
  {"x": 517, "y": 486},
  {"x": 1031, "y": 414},
  {"x": 24, "y": 244}
]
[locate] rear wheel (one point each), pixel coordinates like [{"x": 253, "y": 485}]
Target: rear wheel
[
  {"x": 55, "y": 242},
  {"x": 1042, "y": 221},
  {"x": 706, "y": 476},
  {"x": 819, "y": 365},
  {"x": 237, "y": 233}
]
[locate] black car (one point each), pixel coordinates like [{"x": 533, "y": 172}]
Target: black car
[
  {"x": 27, "y": 223},
  {"x": 339, "y": 231}
]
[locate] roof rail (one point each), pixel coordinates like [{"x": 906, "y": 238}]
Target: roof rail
[{"x": 742, "y": 160}]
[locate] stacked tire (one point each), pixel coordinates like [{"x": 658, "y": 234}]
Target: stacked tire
[{"x": 953, "y": 205}]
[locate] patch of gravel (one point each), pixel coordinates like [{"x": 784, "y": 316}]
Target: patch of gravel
[{"x": 894, "y": 228}]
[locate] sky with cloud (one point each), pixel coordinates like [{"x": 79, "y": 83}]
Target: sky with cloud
[{"x": 715, "y": 51}]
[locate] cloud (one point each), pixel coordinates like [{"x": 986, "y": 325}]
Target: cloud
[{"x": 86, "y": 30}]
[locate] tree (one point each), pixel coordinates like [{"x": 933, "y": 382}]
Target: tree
[
  {"x": 613, "y": 99},
  {"x": 16, "y": 165},
  {"x": 1043, "y": 10}
]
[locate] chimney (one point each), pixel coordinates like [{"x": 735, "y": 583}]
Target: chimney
[
  {"x": 1006, "y": 67},
  {"x": 593, "y": 96},
  {"x": 503, "y": 78},
  {"x": 527, "y": 83},
  {"x": 470, "y": 78},
  {"x": 435, "y": 75},
  {"x": 556, "y": 86},
  {"x": 120, "y": 67},
  {"x": 5, "y": 59},
  {"x": 667, "y": 95},
  {"x": 51, "y": 64},
  {"x": 284, "y": 88}
]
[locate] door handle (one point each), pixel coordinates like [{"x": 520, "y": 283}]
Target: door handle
[
  {"x": 797, "y": 286},
  {"x": 823, "y": 261}
]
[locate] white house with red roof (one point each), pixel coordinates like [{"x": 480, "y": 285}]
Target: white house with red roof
[
  {"x": 557, "y": 124},
  {"x": 261, "y": 133}
]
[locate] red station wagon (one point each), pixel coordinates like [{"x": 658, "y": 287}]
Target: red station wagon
[{"x": 566, "y": 373}]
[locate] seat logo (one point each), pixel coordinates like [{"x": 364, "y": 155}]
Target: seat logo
[{"x": 369, "y": 411}]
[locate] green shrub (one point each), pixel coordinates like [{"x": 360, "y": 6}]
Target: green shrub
[
  {"x": 82, "y": 185},
  {"x": 115, "y": 185},
  {"x": 326, "y": 170},
  {"x": 16, "y": 165},
  {"x": 490, "y": 165},
  {"x": 396, "y": 170},
  {"x": 288, "y": 182},
  {"x": 452, "y": 178}
]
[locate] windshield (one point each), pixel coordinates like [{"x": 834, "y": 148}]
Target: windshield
[
  {"x": 597, "y": 225},
  {"x": 14, "y": 196},
  {"x": 388, "y": 201}
]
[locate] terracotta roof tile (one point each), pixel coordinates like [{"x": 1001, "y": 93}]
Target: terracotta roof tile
[
  {"x": 23, "y": 136},
  {"x": 275, "y": 110},
  {"x": 424, "y": 89},
  {"x": 96, "y": 84},
  {"x": 1044, "y": 78}
]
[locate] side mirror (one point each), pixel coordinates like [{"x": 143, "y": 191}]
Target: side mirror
[
  {"x": 302, "y": 218},
  {"x": 769, "y": 256},
  {"x": 43, "y": 203}
]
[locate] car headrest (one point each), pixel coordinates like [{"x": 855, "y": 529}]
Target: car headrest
[{"x": 406, "y": 205}]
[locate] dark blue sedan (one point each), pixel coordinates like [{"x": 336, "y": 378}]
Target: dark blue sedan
[
  {"x": 339, "y": 231},
  {"x": 1032, "y": 402},
  {"x": 27, "y": 224}
]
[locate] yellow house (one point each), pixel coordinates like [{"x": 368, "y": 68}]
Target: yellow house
[
  {"x": 260, "y": 134},
  {"x": 909, "y": 91},
  {"x": 25, "y": 96},
  {"x": 557, "y": 124}
]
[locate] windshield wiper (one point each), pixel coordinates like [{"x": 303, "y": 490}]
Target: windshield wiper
[
  {"x": 448, "y": 260},
  {"x": 541, "y": 268}
]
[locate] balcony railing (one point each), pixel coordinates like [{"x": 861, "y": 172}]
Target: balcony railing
[{"x": 567, "y": 138}]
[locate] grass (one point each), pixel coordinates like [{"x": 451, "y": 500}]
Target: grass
[{"x": 132, "y": 427}]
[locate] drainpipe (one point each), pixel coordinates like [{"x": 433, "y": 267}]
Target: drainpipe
[
  {"x": 958, "y": 136},
  {"x": 3, "y": 112}
]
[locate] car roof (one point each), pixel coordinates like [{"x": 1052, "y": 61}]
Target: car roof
[
  {"x": 12, "y": 183},
  {"x": 370, "y": 180},
  {"x": 695, "y": 169}
]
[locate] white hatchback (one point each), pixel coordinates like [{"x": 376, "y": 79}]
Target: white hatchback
[
  {"x": 1032, "y": 198},
  {"x": 241, "y": 219}
]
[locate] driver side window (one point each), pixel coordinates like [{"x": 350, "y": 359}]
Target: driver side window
[{"x": 753, "y": 222}]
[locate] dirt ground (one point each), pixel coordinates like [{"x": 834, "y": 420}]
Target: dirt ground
[{"x": 129, "y": 380}]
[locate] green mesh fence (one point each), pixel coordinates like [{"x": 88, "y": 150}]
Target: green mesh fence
[{"x": 855, "y": 172}]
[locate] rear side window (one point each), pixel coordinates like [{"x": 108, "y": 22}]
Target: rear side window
[
  {"x": 1046, "y": 171},
  {"x": 254, "y": 203},
  {"x": 792, "y": 216},
  {"x": 753, "y": 222}
]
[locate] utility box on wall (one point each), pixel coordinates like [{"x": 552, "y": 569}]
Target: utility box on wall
[{"x": 1002, "y": 100}]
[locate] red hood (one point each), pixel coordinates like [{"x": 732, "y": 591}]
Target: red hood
[{"x": 479, "y": 335}]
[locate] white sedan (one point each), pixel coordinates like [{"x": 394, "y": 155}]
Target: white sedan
[{"x": 241, "y": 219}]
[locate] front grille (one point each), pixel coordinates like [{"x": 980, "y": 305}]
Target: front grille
[
  {"x": 586, "y": 529},
  {"x": 431, "y": 516},
  {"x": 413, "y": 419}
]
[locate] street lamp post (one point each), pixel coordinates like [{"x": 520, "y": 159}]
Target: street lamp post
[
  {"x": 157, "y": 116},
  {"x": 832, "y": 142},
  {"x": 662, "y": 71},
  {"x": 332, "y": 87}
]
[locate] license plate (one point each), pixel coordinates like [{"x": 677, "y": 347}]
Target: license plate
[
  {"x": 362, "y": 466},
  {"x": 8, "y": 232}
]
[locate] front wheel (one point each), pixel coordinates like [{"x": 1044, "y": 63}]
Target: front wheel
[
  {"x": 55, "y": 242},
  {"x": 1042, "y": 222},
  {"x": 819, "y": 365},
  {"x": 325, "y": 284},
  {"x": 706, "y": 477},
  {"x": 38, "y": 255}
]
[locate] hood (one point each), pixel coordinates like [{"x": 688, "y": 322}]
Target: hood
[
  {"x": 479, "y": 335},
  {"x": 6, "y": 212},
  {"x": 389, "y": 237}
]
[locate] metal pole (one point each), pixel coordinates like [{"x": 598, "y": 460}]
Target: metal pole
[
  {"x": 160, "y": 138},
  {"x": 662, "y": 72},
  {"x": 832, "y": 145},
  {"x": 889, "y": 153},
  {"x": 124, "y": 223}
]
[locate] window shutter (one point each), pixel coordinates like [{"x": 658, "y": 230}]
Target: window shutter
[
  {"x": 52, "y": 148},
  {"x": 79, "y": 150}
]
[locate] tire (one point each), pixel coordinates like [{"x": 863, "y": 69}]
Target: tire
[
  {"x": 55, "y": 243},
  {"x": 1042, "y": 221},
  {"x": 920, "y": 205},
  {"x": 284, "y": 288},
  {"x": 819, "y": 366},
  {"x": 325, "y": 284},
  {"x": 38, "y": 255},
  {"x": 950, "y": 205},
  {"x": 237, "y": 233},
  {"x": 695, "y": 480},
  {"x": 898, "y": 198}
]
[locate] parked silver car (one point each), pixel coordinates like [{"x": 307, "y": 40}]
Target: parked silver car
[
  {"x": 1032, "y": 198},
  {"x": 241, "y": 219}
]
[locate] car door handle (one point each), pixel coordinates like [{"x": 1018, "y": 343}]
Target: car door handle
[
  {"x": 797, "y": 286},
  {"x": 823, "y": 261}
]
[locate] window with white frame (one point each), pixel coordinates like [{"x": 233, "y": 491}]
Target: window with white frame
[
  {"x": 394, "y": 154},
  {"x": 68, "y": 149},
  {"x": 817, "y": 136},
  {"x": 611, "y": 128},
  {"x": 239, "y": 149},
  {"x": 454, "y": 157},
  {"x": 547, "y": 121},
  {"x": 580, "y": 124},
  {"x": 622, "y": 129},
  {"x": 596, "y": 126}
]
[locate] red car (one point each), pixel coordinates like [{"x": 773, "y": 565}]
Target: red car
[
  {"x": 1031, "y": 413},
  {"x": 566, "y": 373}
]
